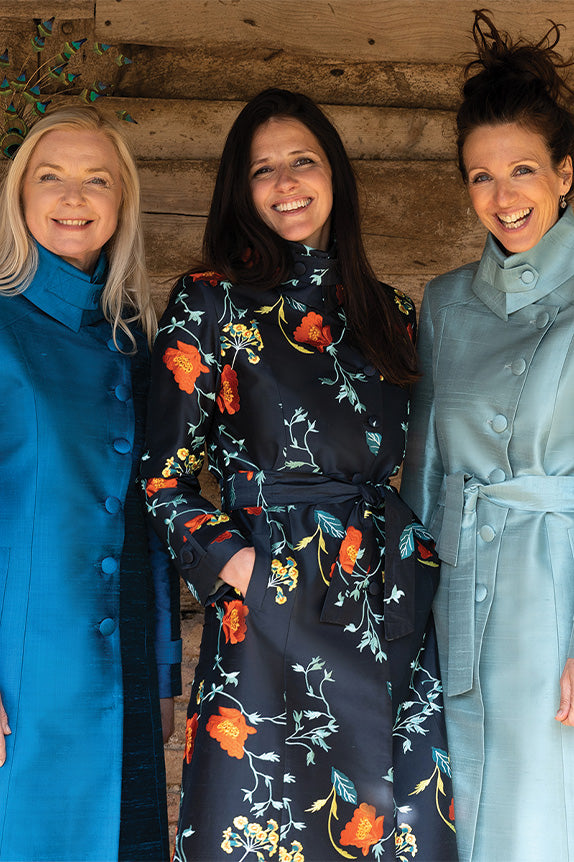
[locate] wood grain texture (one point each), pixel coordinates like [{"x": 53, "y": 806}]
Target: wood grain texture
[
  {"x": 170, "y": 129},
  {"x": 62, "y": 9},
  {"x": 426, "y": 31},
  {"x": 231, "y": 72}
]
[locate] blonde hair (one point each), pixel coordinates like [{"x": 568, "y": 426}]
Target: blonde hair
[{"x": 126, "y": 297}]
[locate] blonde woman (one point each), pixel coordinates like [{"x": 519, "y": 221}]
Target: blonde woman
[{"x": 81, "y": 745}]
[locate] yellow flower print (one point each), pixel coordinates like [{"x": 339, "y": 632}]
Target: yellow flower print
[
  {"x": 240, "y": 822},
  {"x": 293, "y": 855},
  {"x": 405, "y": 842},
  {"x": 252, "y": 837},
  {"x": 167, "y": 470},
  {"x": 189, "y": 464},
  {"x": 199, "y": 694},
  {"x": 403, "y": 301},
  {"x": 237, "y": 336},
  {"x": 283, "y": 575}
]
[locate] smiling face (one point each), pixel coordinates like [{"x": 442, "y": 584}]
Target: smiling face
[
  {"x": 513, "y": 185},
  {"x": 290, "y": 178},
  {"x": 71, "y": 194}
]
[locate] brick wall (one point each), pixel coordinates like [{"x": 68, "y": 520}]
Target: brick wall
[{"x": 191, "y": 626}]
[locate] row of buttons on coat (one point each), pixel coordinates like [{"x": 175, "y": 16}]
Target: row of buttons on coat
[
  {"x": 487, "y": 534},
  {"x": 112, "y": 504}
]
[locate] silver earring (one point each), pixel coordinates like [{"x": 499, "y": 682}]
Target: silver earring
[{"x": 563, "y": 203}]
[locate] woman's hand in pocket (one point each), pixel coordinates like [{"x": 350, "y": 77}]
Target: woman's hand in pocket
[{"x": 238, "y": 569}]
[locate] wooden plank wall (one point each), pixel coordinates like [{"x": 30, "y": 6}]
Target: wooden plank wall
[{"x": 388, "y": 73}]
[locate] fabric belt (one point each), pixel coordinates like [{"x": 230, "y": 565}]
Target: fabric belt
[
  {"x": 457, "y": 547},
  {"x": 285, "y": 489}
]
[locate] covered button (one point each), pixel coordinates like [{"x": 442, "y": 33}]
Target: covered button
[
  {"x": 480, "y": 592},
  {"x": 518, "y": 366},
  {"x": 487, "y": 533},
  {"x": 122, "y": 392},
  {"x": 122, "y": 445},
  {"x": 107, "y": 627},
  {"x": 113, "y": 505},
  {"x": 499, "y": 423},
  {"x": 109, "y": 565},
  {"x": 542, "y": 320}
]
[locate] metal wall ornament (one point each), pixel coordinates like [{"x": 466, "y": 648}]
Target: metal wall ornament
[{"x": 25, "y": 96}]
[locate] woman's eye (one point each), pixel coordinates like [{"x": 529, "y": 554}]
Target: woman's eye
[
  {"x": 98, "y": 181},
  {"x": 523, "y": 169},
  {"x": 303, "y": 160},
  {"x": 261, "y": 171},
  {"x": 46, "y": 178},
  {"x": 479, "y": 178}
]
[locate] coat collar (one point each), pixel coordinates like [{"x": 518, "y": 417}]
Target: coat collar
[
  {"x": 314, "y": 276},
  {"x": 66, "y": 293},
  {"x": 507, "y": 283}
]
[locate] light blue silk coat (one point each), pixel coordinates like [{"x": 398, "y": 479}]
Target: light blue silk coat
[
  {"x": 68, "y": 454},
  {"x": 490, "y": 471}
]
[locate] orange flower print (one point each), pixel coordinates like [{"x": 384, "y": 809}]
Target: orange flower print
[
  {"x": 313, "y": 331},
  {"x": 185, "y": 364},
  {"x": 197, "y": 522},
  {"x": 222, "y": 537},
  {"x": 424, "y": 552},
  {"x": 152, "y": 486},
  {"x": 228, "y": 397},
  {"x": 233, "y": 622},
  {"x": 190, "y": 731},
  {"x": 253, "y": 510},
  {"x": 212, "y": 278},
  {"x": 231, "y": 730},
  {"x": 364, "y": 830},
  {"x": 451, "y": 810},
  {"x": 350, "y": 548}
]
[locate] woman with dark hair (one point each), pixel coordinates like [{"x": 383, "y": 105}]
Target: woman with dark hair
[
  {"x": 289, "y": 362},
  {"x": 490, "y": 461}
]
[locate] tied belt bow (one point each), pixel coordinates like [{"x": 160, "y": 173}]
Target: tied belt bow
[
  {"x": 286, "y": 489},
  {"x": 462, "y": 496}
]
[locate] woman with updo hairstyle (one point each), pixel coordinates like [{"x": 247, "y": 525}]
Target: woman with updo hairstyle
[
  {"x": 315, "y": 724},
  {"x": 490, "y": 458}
]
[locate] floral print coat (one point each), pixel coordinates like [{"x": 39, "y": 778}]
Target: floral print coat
[{"x": 315, "y": 725}]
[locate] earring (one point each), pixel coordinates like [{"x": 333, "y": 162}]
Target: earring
[{"x": 563, "y": 203}]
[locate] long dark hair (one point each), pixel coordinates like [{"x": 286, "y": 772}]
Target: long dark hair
[
  {"x": 517, "y": 81},
  {"x": 234, "y": 226}
]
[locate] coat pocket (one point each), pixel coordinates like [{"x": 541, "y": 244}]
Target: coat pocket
[
  {"x": 261, "y": 569},
  {"x": 4, "y": 560}
]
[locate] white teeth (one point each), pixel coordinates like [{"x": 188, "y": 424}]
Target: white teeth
[
  {"x": 292, "y": 205},
  {"x": 72, "y": 221},
  {"x": 516, "y": 219}
]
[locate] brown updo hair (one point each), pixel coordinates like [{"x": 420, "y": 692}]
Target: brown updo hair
[{"x": 517, "y": 81}]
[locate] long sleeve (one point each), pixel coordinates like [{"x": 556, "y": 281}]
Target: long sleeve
[
  {"x": 423, "y": 469},
  {"x": 186, "y": 381},
  {"x": 168, "y": 645}
]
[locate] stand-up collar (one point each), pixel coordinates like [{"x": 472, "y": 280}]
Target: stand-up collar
[
  {"x": 507, "y": 283},
  {"x": 313, "y": 273},
  {"x": 66, "y": 293}
]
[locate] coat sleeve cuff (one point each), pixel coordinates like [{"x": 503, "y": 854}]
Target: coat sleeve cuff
[{"x": 200, "y": 568}]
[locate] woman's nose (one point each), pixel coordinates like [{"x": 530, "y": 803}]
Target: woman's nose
[
  {"x": 73, "y": 193},
  {"x": 286, "y": 178},
  {"x": 505, "y": 192}
]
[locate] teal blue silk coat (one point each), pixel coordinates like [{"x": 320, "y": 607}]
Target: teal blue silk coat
[
  {"x": 490, "y": 471},
  {"x": 76, "y": 588}
]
